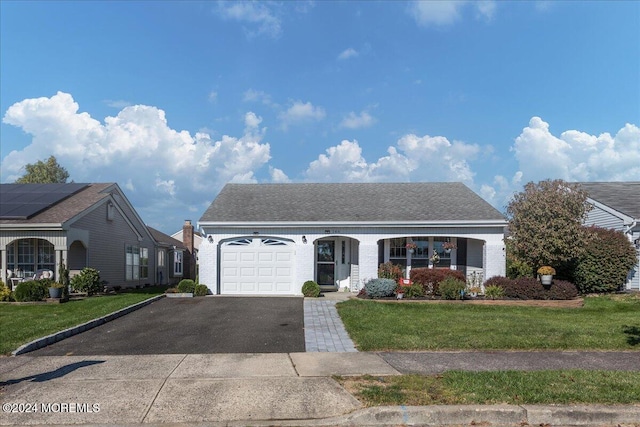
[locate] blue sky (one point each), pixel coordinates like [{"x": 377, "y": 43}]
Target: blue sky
[{"x": 172, "y": 100}]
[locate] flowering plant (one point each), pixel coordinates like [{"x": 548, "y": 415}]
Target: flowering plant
[
  {"x": 449, "y": 245},
  {"x": 546, "y": 270},
  {"x": 411, "y": 245},
  {"x": 435, "y": 258}
]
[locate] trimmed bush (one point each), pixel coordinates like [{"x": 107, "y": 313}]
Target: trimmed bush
[
  {"x": 380, "y": 288},
  {"x": 31, "y": 290},
  {"x": 452, "y": 288},
  {"x": 414, "y": 291},
  {"x": 528, "y": 288},
  {"x": 562, "y": 289},
  {"x": 200, "y": 290},
  {"x": 310, "y": 289},
  {"x": 187, "y": 286},
  {"x": 430, "y": 278},
  {"x": 605, "y": 264},
  {"x": 388, "y": 270},
  {"x": 5, "y": 292},
  {"x": 87, "y": 281},
  {"x": 493, "y": 292}
]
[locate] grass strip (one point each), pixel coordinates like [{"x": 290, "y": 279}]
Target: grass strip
[
  {"x": 24, "y": 323},
  {"x": 603, "y": 323},
  {"x": 502, "y": 387}
]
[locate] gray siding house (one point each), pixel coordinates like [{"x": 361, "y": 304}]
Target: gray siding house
[
  {"x": 80, "y": 225},
  {"x": 268, "y": 239},
  {"x": 616, "y": 205}
]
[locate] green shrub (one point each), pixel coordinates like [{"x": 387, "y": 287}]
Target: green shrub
[
  {"x": 452, "y": 288},
  {"x": 430, "y": 278},
  {"x": 311, "y": 289},
  {"x": 5, "y": 292},
  {"x": 31, "y": 290},
  {"x": 606, "y": 262},
  {"x": 187, "y": 286},
  {"x": 200, "y": 290},
  {"x": 388, "y": 270},
  {"x": 493, "y": 292},
  {"x": 518, "y": 268},
  {"x": 87, "y": 281},
  {"x": 414, "y": 291},
  {"x": 63, "y": 279},
  {"x": 380, "y": 288}
]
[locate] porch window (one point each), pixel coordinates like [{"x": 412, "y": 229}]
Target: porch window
[
  {"x": 177, "y": 263},
  {"x": 27, "y": 256},
  {"x": 132, "y": 263},
  {"x": 420, "y": 256},
  {"x": 398, "y": 251},
  {"x": 445, "y": 257}
]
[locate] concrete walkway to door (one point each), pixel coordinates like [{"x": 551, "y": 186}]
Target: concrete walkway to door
[{"x": 323, "y": 328}]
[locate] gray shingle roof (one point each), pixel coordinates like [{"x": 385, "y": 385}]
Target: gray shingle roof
[
  {"x": 164, "y": 239},
  {"x": 359, "y": 202},
  {"x": 621, "y": 196}
]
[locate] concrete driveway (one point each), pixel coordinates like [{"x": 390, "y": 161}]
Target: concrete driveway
[{"x": 195, "y": 326}]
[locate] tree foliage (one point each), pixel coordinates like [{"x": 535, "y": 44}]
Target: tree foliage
[
  {"x": 49, "y": 172},
  {"x": 605, "y": 264},
  {"x": 545, "y": 223}
]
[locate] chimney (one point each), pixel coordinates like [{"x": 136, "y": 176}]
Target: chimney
[
  {"x": 190, "y": 259},
  {"x": 187, "y": 235}
]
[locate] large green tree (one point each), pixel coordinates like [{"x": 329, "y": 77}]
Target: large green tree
[
  {"x": 49, "y": 172},
  {"x": 545, "y": 223}
]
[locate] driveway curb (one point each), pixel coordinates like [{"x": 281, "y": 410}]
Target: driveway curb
[{"x": 74, "y": 330}]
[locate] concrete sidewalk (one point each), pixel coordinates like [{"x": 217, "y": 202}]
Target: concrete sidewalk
[{"x": 240, "y": 389}]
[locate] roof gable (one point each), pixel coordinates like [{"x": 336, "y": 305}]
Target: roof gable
[
  {"x": 623, "y": 197},
  {"x": 349, "y": 202}
]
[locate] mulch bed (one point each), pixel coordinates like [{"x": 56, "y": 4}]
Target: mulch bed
[{"x": 572, "y": 303}]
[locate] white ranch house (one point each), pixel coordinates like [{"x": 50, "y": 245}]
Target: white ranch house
[{"x": 268, "y": 239}]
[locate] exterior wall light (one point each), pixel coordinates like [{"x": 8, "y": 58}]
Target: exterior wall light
[
  {"x": 210, "y": 238},
  {"x": 304, "y": 239}
]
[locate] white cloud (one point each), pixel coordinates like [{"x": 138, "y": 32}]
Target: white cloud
[
  {"x": 300, "y": 112},
  {"x": 446, "y": 12},
  {"x": 260, "y": 17},
  {"x": 412, "y": 158},
  {"x": 252, "y": 95},
  {"x": 348, "y": 53},
  {"x": 357, "y": 121},
  {"x": 137, "y": 148},
  {"x": 117, "y": 103},
  {"x": 213, "y": 96},
  {"x": 277, "y": 175},
  {"x": 576, "y": 155}
]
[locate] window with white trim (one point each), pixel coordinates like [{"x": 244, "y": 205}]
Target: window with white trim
[
  {"x": 177, "y": 263},
  {"x": 132, "y": 262},
  {"x": 144, "y": 263}
]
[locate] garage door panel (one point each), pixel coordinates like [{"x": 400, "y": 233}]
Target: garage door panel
[{"x": 253, "y": 267}]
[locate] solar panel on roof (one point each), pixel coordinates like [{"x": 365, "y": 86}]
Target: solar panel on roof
[{"x": 23, "y": 201}]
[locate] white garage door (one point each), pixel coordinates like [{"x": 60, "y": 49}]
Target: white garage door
[{"x": 256, "y": 266}]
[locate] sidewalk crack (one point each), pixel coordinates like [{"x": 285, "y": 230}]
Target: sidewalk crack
[{"x": 153, "y": 401}]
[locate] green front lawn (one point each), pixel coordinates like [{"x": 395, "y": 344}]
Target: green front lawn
[
  {"x": 604, "y": 323},
  {"x": 486, "y": 388},
  {"x": 21, "y": 324}
]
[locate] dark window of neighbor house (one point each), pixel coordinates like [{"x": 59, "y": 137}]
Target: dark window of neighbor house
[
  {"x": 177, "y": 263},
  {"x": 144, "y": 263},
  {"x": 132, "y": 263}
]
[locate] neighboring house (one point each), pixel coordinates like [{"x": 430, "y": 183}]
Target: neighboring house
[
  {"x": 80, "y": 225},
  {"x": 191, "y": 241},
  {"x": 270, "y": 238},
  {"x": 171, "y": 260},
  {"x": 616, "y": 205}
]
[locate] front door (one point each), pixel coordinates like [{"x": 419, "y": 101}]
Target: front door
[{"x": 326, "y": 262}]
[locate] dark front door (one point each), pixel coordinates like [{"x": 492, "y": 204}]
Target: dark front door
[{"x": 326, "y": 262}]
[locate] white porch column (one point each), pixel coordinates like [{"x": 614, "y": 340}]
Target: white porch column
[
  {"x": 3, "y": 273},
  {"x": 368, "y": 262},
  {"x": 495, "y": 261}
]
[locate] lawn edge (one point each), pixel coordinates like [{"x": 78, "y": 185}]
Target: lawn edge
[{"x": 74, "y": 330}]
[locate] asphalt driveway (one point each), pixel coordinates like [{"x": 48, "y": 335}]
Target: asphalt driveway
[{"x": 195, "y": 326}]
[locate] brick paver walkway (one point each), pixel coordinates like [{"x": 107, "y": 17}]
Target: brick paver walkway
[{"x": 323, "y": 328}]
